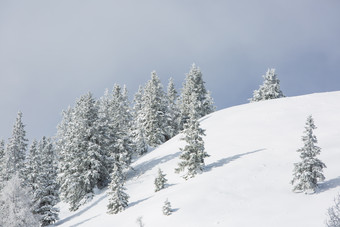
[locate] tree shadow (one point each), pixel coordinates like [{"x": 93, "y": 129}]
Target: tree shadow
[
  {"x": 147, "y": 165},
  {"x": 174, "y": 210},
  {"x": 332, "y": 183},
  {"x": 138, "y": 201},
  {"x": 82, "y": 222},
  {"x": 225, "y": 161},
  {"x": 79, "y": 212}
]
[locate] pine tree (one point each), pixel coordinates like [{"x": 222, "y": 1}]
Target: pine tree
[
  {"x": 193, "y": 153},
  {"x": 33, "y": 166},
  {"x": 194, "y": 95},
  {"x": 160, "y": 181},
  {"x": 46, "y": 193},
  {"x": 118, "y": 199},
  {"x": 116, "y": 126},
  {"x": 270, "y": 89},
  {"x": 154, "y": 116},
  {"x": 2, "y": 157},
  {"x": 167, "y": 208},
  {"x": 334, "y": 214},
  {"x": 308, "y": 172},
  {"x": 138, "y": 134},
  {"x": 173, "y": 109},
  {"x": 15, "y": 152},
  {"x": 16, "y": 205},
  {"x": 81, "y": 165}
]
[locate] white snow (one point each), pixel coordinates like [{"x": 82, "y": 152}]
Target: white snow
[{"x": 252, "y": 149}]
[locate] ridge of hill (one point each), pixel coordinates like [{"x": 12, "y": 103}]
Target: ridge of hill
[{"x": 246, "y": 181}]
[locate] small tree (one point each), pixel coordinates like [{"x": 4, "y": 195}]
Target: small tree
[
  {"x": 334, "y": 214},
  {"x": 139, "y": 221},
  {"x": 118, "y": 199},
  {"x": 308, "y": 172},
  {"x": 270, "y": 89},
  {"x": 167, "y": 208},
  {"x": 160, "y": 181}
]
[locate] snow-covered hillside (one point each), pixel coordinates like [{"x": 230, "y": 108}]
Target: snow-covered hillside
[{"x": 252, "y": 149}]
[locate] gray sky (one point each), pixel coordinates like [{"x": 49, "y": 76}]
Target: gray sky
[{"x": 53, "y": 51}]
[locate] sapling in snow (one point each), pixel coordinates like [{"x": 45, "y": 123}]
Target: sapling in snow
[
  {"x": 167, "y": 208},
  {"x": 160, "y": 181}
]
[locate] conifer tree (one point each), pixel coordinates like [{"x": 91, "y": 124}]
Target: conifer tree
[
  {"x": 16, "y": 205},
  {"x": 138, "y": 134},
  {"x": 81, "y": 167},
  {"x": 167, "y": 208},
  {"x": 270, "y": 89},
  {"x": 15, "y": 151},
  {"x": 194, "y": 95},
  {"x": 334, "y": 214},
  {"x": 308, "y": 172},
  {"x": 45, "y": 196},
  {"x": 193, "y": 153},
  {"x": 154, "y": 115},
  {"x": 33, "y": 166},
  {"x": 160, "y": 181},
  {"x": 2, "y": 157},
  {"x": 173, "y": 109},
  {"x": 118, "y": 199}
]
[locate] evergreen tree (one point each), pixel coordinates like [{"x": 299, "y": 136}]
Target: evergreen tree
[
  {"x": 173, "y": 109},
  {"x": 194, "y": 95},
  {"x": 46, "y": 194},
  {"x": 334, "y": 214},
  {"x": 118, "y": 199},
  {"x": 138, "y": 134},
  {"x": 270, "y": 89},
  {"x": 16, "y": 205},
  {"x": 193, "y": 153},
  {"x": 160, "y": 181},
  {"x": 167, "y": 208},
  {"x": 308, "y": 172},
  {"x": 154, "y": 116},
  {"x": 81, "y": 166},
  {"x": 116, "y": 126},
  {"x": 33, "y": 166},
  {"x": 15, "y": 151}
]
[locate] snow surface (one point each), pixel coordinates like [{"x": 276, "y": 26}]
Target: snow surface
[{"x": 252, "y": 149}]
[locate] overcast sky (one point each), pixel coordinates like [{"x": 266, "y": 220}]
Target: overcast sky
[{"x": 53, "y": 51}]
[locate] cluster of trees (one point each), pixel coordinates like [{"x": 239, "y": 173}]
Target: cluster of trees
[
  {"x": 97, "y": 139},
  {"x": 29, "y": 190}
]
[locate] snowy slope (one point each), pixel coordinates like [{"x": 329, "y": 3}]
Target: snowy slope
[{"x": 252, "y": 149}]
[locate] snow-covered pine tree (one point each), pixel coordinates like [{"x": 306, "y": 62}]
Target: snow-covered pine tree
[
  {"x": 194, "y": 86},
  {"x": 81, "y": 166},
  {"x": 173, "y": 108},
  {"x": 116, "y": 126},
  {"x": 138, "y": 134},
  {"x": 118, "y": 199},
  {"x": 46, "y": 193},
  {"x": 167, "y": 208},
  {"x": 154, "y": 115},
  {"x": 160, "y": 181},
  {"x": 193, "y": 153},
  {"x": 33, "y": 166},
  {"x": 270, "y": 89},
  {"x": 334, "y": 214},
  {"x": 15, "y": 151},
  {"x": 16, "y": 205},
  {"x": 308, "y": 172}
]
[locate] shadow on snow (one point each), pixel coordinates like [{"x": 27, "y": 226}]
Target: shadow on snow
[
  {"x": 80, "y": 212},
  {"x": 147, "y": 165},
  {"x": 225, "y": 161},
  {"x": 329, "y": 184}
]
